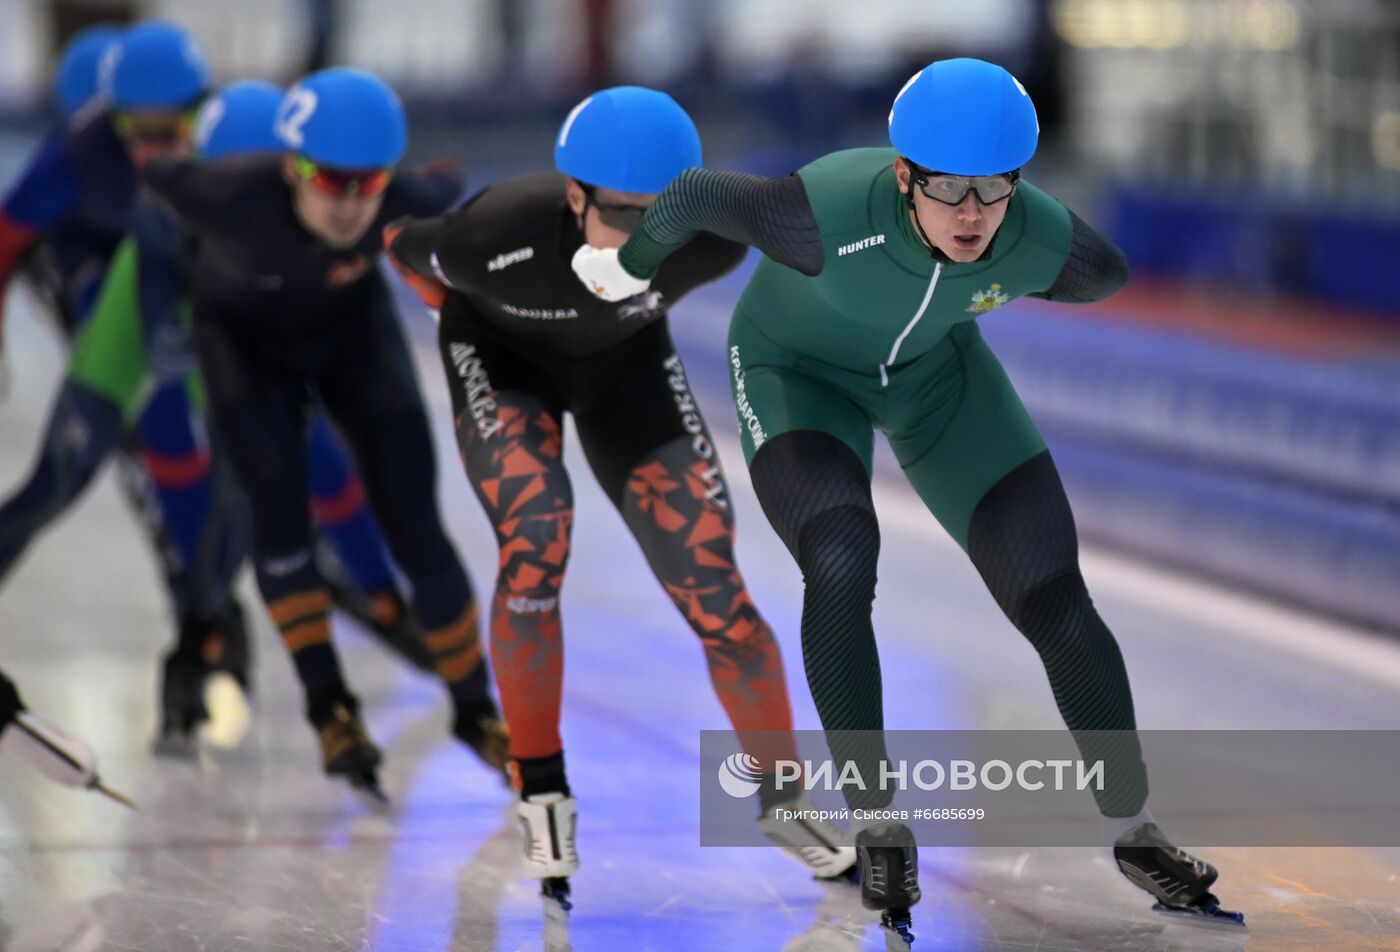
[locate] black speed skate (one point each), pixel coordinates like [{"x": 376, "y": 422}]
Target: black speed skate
[
  {"x": 888, "y": 861},
  {"x": 480, "y": 727},
  {"x": 346, "y": 749},
  {"x": 182, "y": 704},
  {"x": 1179, "y": 881},
  {"x": 204, "y": 684}
]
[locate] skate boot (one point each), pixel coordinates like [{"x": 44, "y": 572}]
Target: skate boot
[
  {"x": 1179, "y": 881},
  {"x": 204, "y": 685},
  {"x": 181, "y": 702},
  {"x": 889, "y": 879},
  {"x": 346, "y": 749},
  {"x": 549, "y": 822},
  {"x": 822, "y": 847},
  {"x": 479, "y": 726},
  {"x": 226, "y": 646},
  {"x": 226, "y": 650},
  {"x": 53, "y": 752}
]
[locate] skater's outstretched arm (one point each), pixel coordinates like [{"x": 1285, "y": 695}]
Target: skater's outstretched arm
[
  {"x": 772, "y": 215},
  {"x": 46, "y": 191},
  {"x": 44, "y": 194},
  {"x": 1094, "y": 269}
]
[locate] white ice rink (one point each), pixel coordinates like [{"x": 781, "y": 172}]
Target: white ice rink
[{"x": 254, "y": 849}]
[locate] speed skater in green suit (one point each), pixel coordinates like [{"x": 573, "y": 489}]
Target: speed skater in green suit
[{"x": 861, "y": 316}]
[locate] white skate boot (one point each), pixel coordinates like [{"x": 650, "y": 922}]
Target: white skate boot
[
  {"x": 549, "y": 822},
  {"x": 818, "y": 844}
]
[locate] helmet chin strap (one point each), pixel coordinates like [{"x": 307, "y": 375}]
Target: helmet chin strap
[{"x": 933, "y": 249}]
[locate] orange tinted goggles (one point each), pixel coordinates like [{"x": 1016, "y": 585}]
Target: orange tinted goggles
[
  {"x": 366, "y": 183},
  {"x": 154, "y": 127}
]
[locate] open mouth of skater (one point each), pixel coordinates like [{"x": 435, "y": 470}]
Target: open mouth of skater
[{"x": 956, "y": 215}]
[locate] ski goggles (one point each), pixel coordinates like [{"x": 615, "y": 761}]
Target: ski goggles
[
  {"x": 952, "y": 189},
  {"x": 365, "y": 183},
  {"x": 165, "y": 127},
  {"x": 624, "y": 218}
]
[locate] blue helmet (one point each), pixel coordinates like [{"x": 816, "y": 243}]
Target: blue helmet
[
  {"x": 345, "y": 118},
  {"x": 241, "y": 117},
  {"x": 964, "y": 117},
  {"x": 629, "y": 139},
  {"x": 156, "y": 65},
  {"x": 76, "y": 79}
]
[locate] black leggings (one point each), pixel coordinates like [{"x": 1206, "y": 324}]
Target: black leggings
[
  {"x": 364, "y": 377},
  {"x": 1022, "y": 540}
]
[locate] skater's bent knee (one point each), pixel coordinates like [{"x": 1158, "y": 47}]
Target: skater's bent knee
[
  {"x": 744, "y": 637},
  {"x": 536, "y": 543},
  {"x": 840, "y": 547},
  {"x": 1055, "y": 614},
  {"x": 801, "y": 475}
]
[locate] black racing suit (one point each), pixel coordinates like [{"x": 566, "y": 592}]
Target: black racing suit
[
  {"x": 523, "y": 342},
  {"x": 280, "y": 319}
]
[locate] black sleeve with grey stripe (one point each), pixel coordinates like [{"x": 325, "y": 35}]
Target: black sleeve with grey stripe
[
  {"x": 1094, "y": 269},
  {"x": 772, "y": 215}
]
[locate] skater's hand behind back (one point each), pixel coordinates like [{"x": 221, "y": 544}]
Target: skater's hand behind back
[{"x": 430, "y": 290}]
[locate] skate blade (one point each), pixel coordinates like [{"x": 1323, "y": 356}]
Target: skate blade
[
  {"x": 114, "y": 795},
  {"x": 1210, "y": 917},
  {"x": 367, "y": 785},
  {"x": 229, "y": 713},
  {"x": 498, "y": 770},
  {"x": 491, "y": 746},
  {"x": 898, "y": 930},
  {"x": 556, "y": 932},
  {"x": 494, "y": 762},
  {"x": 554, "y": 893}
]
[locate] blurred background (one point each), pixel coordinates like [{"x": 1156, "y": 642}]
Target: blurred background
[{"x": 1235, "y": 412}]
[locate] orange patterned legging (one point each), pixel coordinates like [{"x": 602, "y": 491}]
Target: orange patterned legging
[{"x": 676, "y": 506}]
